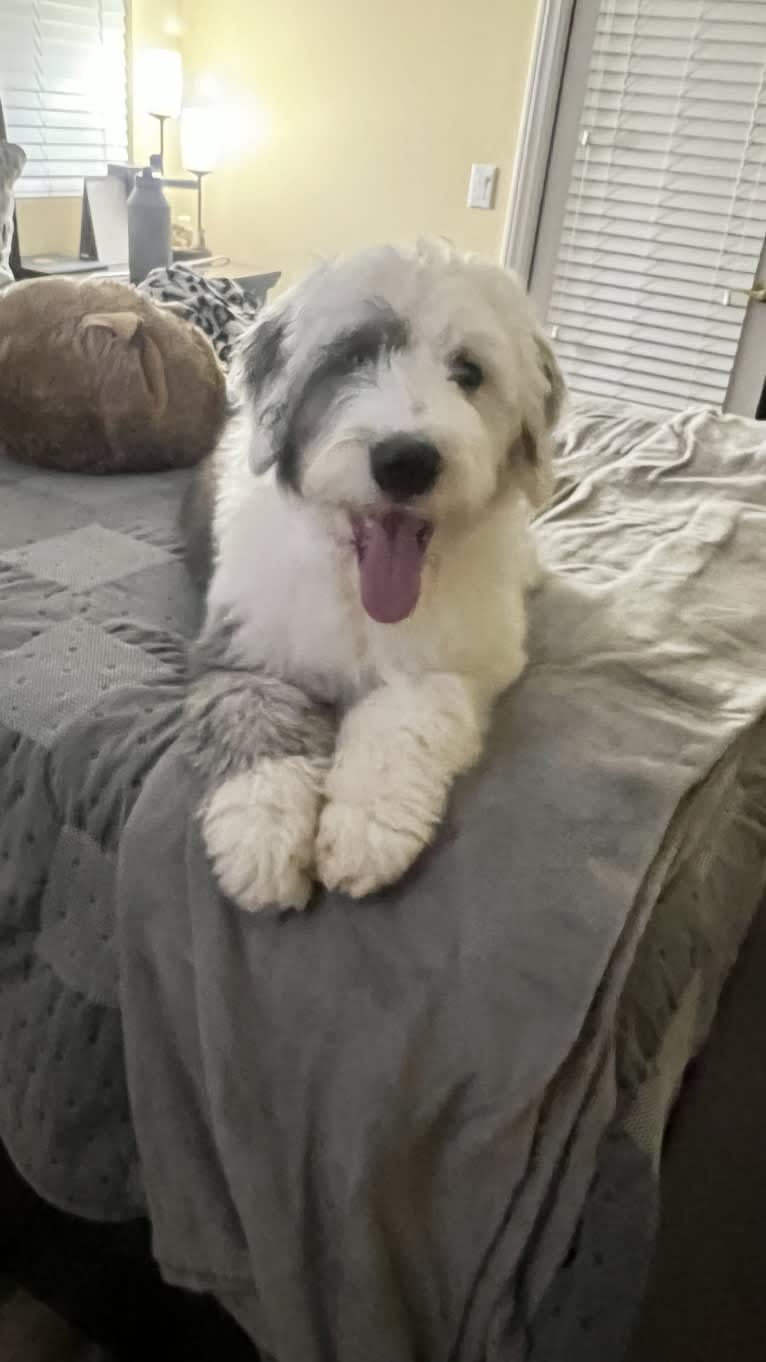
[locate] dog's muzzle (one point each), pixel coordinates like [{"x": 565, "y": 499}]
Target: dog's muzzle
[{"x": 404, "y": 466}]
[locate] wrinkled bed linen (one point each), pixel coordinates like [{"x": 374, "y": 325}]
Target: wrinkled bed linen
[
  {"x": 472, "y": 1078},
  {"x": 372, "y": 1129}
]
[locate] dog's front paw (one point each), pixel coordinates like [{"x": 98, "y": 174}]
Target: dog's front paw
[
  {"x": 259, "y": 829},
  {"x": 358, "y": 854}
]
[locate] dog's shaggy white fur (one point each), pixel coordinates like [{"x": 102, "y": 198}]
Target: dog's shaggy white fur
[{"x": 371, "y": 549}]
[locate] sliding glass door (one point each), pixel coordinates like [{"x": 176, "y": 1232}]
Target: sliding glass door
[{"x": 654, "y": 209}]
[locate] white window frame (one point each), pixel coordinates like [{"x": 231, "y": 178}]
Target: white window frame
[
  {"x": 547, "y": 146},
  {"x": 549, "y": 52},
  {"x": 61, "y": 115}
]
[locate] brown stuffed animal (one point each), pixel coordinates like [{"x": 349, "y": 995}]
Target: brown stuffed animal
[{"x": 95, "y": 378}]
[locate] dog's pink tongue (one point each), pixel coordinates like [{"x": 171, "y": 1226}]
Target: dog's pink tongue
[{"x": 391, "y": 551}]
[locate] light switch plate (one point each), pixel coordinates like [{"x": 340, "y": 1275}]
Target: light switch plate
[{"x": 481, "y": 186}]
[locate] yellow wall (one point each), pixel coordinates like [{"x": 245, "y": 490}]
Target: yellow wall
[
  {"x": 374, "y": 111},
  {"x": 49, "y": 225},
  {"x": 349, "y": 121},
  {"x": 154, "y": 23}
]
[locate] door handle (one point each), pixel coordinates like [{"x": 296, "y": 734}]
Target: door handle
[{"x": 756, "y": 294}]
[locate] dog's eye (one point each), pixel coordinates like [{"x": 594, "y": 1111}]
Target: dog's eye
[
  {"x": 466, "y": 373},
  {"x": 364, "y": 351}
]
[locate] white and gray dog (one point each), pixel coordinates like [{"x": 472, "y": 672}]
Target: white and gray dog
[{"x": 367, "y": 514}]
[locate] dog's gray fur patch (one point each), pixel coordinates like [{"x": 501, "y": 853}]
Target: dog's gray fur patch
[
  {"x": 262, "y": 354},
  {"x": 343, "y": 362},
  {"x": 237, "y": 717},
  {"x": 241, "y": 718}
]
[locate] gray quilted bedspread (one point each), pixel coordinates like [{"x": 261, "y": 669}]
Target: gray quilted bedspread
[
  {"x": 94, "y": 605},
  {"x": 373, "y": 1129}
]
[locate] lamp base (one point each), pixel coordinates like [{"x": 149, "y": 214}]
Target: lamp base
[
  {"x": 191, "y": 253},
  {"x": 160, "y": 159}
]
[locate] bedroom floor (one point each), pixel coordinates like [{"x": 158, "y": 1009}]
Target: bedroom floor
[{"x": 706, "y": 1299}]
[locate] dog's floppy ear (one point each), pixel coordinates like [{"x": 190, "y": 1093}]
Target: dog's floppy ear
[
  {"x": 261, "y": 380},
  {"x": 532, "y": 450},
  {"x": 555, "y": 387},
  {"x": 262, "y": 354}
]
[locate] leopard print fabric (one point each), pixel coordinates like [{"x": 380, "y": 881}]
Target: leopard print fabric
[{"x": 220, "y": 307}]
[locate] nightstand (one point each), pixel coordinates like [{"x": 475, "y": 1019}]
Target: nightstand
[{"x": 255, "y": 283}]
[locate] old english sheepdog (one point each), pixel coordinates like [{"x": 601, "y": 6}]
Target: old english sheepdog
[{"x": 367, "y": 517}]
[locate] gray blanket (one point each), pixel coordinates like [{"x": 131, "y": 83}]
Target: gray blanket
[
  {"x": 388, "y": 1115},
  {"x": 372, "y": 1128}
]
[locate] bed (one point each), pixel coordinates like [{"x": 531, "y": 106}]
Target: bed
[{"x": 430, "y": 1126}]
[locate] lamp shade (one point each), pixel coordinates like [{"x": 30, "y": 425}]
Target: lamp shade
[
  {"x": 159, "y": 81},
  {"x": 200, "y": 139}
]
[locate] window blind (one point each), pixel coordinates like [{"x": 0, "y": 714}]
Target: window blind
[
  {"x": 64, "y": 89},
  {"x": 666, "y": 207}
]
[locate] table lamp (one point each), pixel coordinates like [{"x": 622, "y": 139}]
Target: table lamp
[
  {"x": 159, "y": 87},
  {"x": 200, "y": 152}
]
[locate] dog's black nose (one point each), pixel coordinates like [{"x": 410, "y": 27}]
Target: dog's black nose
[{"x": 403, "y": 466}]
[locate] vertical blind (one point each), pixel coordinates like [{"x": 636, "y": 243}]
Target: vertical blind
[
  {"x": 666, "y": 207},
  {"x": 64, "y": 89}
]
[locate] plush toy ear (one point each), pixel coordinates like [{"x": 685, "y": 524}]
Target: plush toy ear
[
  {"x": 134, "y": 348},
  {"x": 178, "y": 309},
  {"x": 124, "y": 325},
  {"x": 154, "y": 373},
  {"x": 532, "y": 450}
]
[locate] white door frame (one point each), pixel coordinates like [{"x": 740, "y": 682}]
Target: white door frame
[
  {"x": 748, "y": 372},
  {"x": 549, "y": 49}
]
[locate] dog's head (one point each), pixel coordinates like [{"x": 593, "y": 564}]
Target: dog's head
[{"x": 406, "y": 389}]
